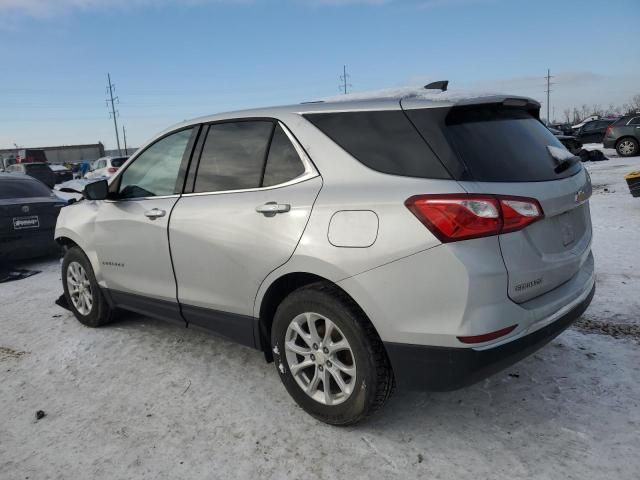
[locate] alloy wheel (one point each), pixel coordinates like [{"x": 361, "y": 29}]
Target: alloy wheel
[
  {"x": 79, "y": 288},
  {"x": 320, "y": 358},
  {"x": 626, "y": 147}
]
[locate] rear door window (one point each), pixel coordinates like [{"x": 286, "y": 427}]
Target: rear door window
[
  {"x": 233, "y": 156},
  {"x": 634, "y": 121},
  {"x": 384, "y": 141},
  {"x": 499, "y": 144},
  {"x": 283, "y": 162}
]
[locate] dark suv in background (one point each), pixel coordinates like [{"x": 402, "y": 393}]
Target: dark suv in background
[
  {"x": 39, "y": 171},
  {"x": 624, "y": 135},
  {"x": 593, "y": 131}
]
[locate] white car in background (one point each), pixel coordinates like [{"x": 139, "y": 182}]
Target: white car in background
[{"x": 105, "y": 166}]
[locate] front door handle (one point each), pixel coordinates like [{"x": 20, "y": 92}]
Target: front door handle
[
  {"x": 270, "y": 209},
  {"x": 155, "y": 213}
]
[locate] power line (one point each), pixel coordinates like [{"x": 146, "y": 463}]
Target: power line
[
  {"x": 113, "y": 112},
  {"x": 548, "y": 91},
  {"x": 344, "y": 80},
  {"x": 124, "y": 136}
]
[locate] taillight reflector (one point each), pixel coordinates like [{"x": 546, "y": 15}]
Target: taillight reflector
[
  {"x": 487, "y": 337},
  {"x": 452, "y": 218},
  {"x": 112, "y": 169}
]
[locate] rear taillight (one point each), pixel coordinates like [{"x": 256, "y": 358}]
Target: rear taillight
[
  {"x": 112, "y": 169},
  {"x": 608, "y": 130},
  {"x": 454, "y": 217}
]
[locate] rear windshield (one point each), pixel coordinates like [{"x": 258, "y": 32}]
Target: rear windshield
[
  {"x": 384, "y": 141},
  {"x": 500, "y": 144},
  {"x": 22, "y": 188},
  {"x": 118, "y": 162}
]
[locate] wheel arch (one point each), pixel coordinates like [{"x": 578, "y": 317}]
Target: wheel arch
[
  {"x": 67, "y": 242},
  {"x": 277, "y": 291}
]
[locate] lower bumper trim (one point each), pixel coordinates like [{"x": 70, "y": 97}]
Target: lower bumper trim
[{"x": 429, "y": 368}]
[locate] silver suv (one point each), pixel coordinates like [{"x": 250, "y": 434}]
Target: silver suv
[{"x": 426, "y": 241}]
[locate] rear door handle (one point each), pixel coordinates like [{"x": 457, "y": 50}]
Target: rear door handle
[
  {"x": 269, "y": 209},
  {"x": 155, "y": 213}
]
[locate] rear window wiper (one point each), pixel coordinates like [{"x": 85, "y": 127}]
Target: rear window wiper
[{"x": 562, "y": 157}]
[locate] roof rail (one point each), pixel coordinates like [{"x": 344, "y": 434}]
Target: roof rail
[{"x": 439, "y": 85}]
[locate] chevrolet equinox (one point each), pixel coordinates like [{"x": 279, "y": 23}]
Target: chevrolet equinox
[{"x": 424, "y": 241}]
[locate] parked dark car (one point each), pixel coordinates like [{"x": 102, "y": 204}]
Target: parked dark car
[
  {"x": 565, "y": 128},
  {"x": 593, "y": 131},
  {"x": 624, "y": 135},
  {"x": 40, "y": 171},
  {"x": 570, "y": 142},
  {"x": 28, "y": 214},
  {"x": 63, "y": 174}
]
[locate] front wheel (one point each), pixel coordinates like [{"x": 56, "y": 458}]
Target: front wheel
[
  {"x": 329, "y": 356},
  {"x": 81, "y": 290},
  {"x": 627, "y": 147}
]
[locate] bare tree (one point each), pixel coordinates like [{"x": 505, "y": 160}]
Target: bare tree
[
  {"x": 576, "y": 115},
  {"x": 567, "y": 115},
  {"x": 584, "y": 110}
]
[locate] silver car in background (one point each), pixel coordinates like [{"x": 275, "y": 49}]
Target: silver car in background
[{"x": 424, "y": 241}]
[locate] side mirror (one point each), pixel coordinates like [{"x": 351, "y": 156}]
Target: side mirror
[{"x": 96, "y": 190}]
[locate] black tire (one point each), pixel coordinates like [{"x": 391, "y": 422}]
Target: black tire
[
  {"x": 374, "y": 381},
  {"x": 634, "y": 144},
  {"x": 101, "y": 313}
]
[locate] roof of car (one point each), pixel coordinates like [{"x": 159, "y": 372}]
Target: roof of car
[
  {"x": 379, "y": 100},
  {"x": 15, "y": 176}
]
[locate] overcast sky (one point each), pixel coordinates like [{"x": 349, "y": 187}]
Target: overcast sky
[{"x": 176, "y": 59}]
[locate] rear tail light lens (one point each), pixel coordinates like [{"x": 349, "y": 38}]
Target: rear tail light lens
[
  {"x": 112, "y": 169},
  {"x": 608, "y": 130},
  {"x": 452, "y": 218}
]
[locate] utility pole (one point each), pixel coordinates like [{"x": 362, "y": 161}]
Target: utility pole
[
  {"x": 344, "y": 80},
  {"x": 124, "y": 137},
  {"x": 548, "y": 77},
  {"x": 113, "y": 112}
]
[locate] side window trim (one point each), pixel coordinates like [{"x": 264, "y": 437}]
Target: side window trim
[
  {"x": 274, "y": 124},
  {"x": 114, "y": 186},
  {"x": 310, "y": 170}
]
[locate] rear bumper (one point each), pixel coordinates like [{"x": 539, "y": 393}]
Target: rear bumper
[
  {"x": 420, "y": 367},
  {"x": 31, "y": 245}
]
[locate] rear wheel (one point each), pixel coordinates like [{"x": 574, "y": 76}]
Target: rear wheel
[
  {"x": 329, "y": 356},
  {"x": 627, "y": 147},
  {"x": 81, "y": 290}
]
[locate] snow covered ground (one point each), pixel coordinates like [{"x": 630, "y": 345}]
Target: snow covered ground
[{"x": 145, "y": 399}]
